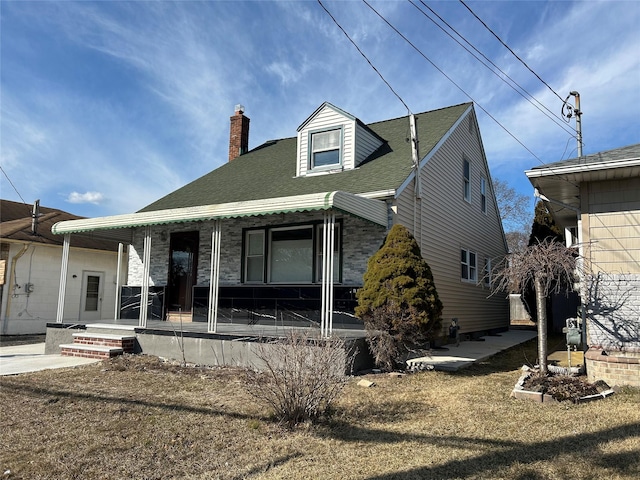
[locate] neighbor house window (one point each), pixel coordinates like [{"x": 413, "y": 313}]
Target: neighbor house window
[
  {"x": 466, "y": 173},
  {"x": 468, "y": 265},
  {"x": 254, "y": 261},
  {"x": 486, "y": 273},
  {"x": 287, "y": 254},
  {"x": 325, "y": 148},
  {"x": 483, "y": 195}
]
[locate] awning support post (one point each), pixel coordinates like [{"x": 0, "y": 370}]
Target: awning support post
[
  {"x": 214, "y": 279},
  {"x": 64, "y": 268},
  {"x": 328, "y": 246},
  {"x": 146, "y": 266},
  {"x": 116, "y": 309}
]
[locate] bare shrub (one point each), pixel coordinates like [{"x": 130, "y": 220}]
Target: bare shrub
[
  {"x": 300, "y": 376},
  {"x": 392, "y": 336}
]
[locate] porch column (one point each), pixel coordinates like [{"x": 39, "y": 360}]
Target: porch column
[
  {"x": 328, "y": 245},
  {"x": 214, "y": 278},
  {"x": 144, "y": 294},
  {"x": 116, "y": 310},
  {"x": 64, "y": 268}
]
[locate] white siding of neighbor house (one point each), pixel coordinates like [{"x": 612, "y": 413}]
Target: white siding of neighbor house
[
  {"x": 40, "y": 265},
  {"x": 446, "y": 223}
]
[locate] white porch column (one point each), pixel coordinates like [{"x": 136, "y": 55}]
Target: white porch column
[
  {"x": 144, "y": 294},
  {"x": 116, "y": 310},
  {"x": 214, "y": 278},
  {"x": 328, "y": 245},
  {"x": 64, "y": 268}
]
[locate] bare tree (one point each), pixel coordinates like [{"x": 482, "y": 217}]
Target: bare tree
[
  {"x": 548, "y": 266},
  {"x": 515, "y": 214}
]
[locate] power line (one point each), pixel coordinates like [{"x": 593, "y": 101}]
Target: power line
[
  {"x": 512, "y": 52},
  {"x": 14, "y": 187},
  {"x": 365, "y": 57},
  {"x": 519, "y": 90},
  {"x": 452, "y": 81}
]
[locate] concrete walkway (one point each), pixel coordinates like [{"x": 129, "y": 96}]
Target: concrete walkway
[
  {"x": 470, "y": 352},
  {"x": 31, "y": 358}
]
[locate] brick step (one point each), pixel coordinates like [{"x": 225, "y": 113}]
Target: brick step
[
  {"x": 126, "y": 342},
  {"x": 90, "y": 351}
]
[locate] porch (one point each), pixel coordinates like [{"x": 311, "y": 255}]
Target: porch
[{"x": 237, "y": 343}]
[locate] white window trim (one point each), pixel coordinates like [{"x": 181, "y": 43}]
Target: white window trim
[
  {"x": 246, "y": 255},
  {"x": 486, "y": 274},
  {"x": 466, "y": 181},
  {"x": 472, "y": 269},
  {"x": 311, "y": 168}
]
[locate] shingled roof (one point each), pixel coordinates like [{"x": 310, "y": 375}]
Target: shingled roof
[
  {"x": 269, "y": 170},
  {"x": 15, "y": 225}
]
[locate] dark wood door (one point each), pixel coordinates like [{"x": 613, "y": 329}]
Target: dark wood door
[{"x": 183, "y": 266}]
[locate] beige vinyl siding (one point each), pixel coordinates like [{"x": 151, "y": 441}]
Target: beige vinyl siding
[
  {"x": 612, "y": 225},
  {"x": 327, "y": 119},
  {"x": 366, "y": 143},
  {"x": 446, "y": 223}
]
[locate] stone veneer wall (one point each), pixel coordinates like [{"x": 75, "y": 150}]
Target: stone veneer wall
[
  {"x": 360, "y": 240},
  {"x": 613, "y": 333}
]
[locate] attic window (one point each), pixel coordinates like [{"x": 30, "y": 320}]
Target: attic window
[{"x": 325, "y": 149}]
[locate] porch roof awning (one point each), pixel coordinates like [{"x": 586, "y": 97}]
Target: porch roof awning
[{"x": 119, "y": 227}]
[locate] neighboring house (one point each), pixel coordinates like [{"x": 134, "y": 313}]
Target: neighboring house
[
  {"x": 284, "y": 231},
  {"x": 30, "y": 264},
  {"x": 596, "y": 199}
]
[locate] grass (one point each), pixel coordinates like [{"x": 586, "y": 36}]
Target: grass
[{"x": 136, "y": 417}]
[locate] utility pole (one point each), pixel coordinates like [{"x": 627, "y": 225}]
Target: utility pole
[{"x": 571, "y": 111}]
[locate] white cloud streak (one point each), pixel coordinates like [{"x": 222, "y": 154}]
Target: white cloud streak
[{"x": 132, "y": 99}]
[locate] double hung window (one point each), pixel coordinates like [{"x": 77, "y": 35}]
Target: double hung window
[
  {"x": 486, "y": 274},
  {"x": 254, "y": 256},
  {"x": 468, "y": 263},
  {"x": 326, "y": 149},
  {"x": 466, "y": 174}
]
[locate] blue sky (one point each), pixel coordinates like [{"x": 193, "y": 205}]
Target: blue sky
[{"x": 108, "y": 106}]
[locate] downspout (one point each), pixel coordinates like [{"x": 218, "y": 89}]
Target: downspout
[{"x": 417, "y": 193}]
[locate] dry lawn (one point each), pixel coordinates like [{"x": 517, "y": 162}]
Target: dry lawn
[{"x": 138, "y": 418}]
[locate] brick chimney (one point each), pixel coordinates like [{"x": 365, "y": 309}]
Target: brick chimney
[{"x": 239, "y": 133}]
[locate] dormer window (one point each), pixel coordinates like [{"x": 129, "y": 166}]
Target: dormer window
[
  {"x": 326, "y": 149},
  {"x": 331, "y": 141}
]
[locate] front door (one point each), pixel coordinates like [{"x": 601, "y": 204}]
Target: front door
[
  {"x": 91, "y": 301},
  {"x": 183, "y": 262}
]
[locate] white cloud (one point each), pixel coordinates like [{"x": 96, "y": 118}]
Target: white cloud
[{"x": 88, "y": 197}]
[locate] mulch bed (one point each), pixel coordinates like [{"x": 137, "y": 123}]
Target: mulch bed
[{"x": 563, "y": 387}]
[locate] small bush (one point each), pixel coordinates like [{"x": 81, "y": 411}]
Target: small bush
[{"x": 300, "y": 377}]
